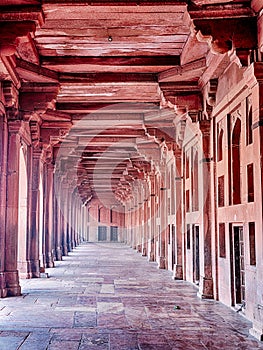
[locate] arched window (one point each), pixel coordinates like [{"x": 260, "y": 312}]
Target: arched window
[
  {"x": 249, "y": 126},
  {"x": 220, "y": 145},
  {"x": 236, "y": 183}
]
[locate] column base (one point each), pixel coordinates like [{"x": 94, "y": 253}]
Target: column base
[
  {"x": 33, "y": 268},
  {"x": 178, "y": 272},
  {"x": 22, "y": 267},
  {"x": 151, "y": 256},
  {"x": 162, "y": 263},
  {"x": 64, "y": 250},
  {"x": 49, "y": 260},
  {"x": 139, "y": 248},
  {"x": 144, "y": 252},
  {"x": 3, "y": 290},
  {"x": 257, "y": 330},
  {"x": 12, "y": 283},
  {"x": 206, "y": 288},
  {"x": 58, "y": 254},
  {"x": 256, "y": 333}
]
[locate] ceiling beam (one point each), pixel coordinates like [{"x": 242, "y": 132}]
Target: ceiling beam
[
  {"x": 87, "y": 78},
  {"x": 111, "y": 60}
]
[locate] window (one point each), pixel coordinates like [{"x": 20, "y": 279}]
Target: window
[
  {"x": 236, "y": 162},
  {"x": 188, "y": 239},
  {"x": 186, "y": 165},
  {"x": 222, "y": 240},
  {"x": 220, "y": 145},
  {"x": 221, "y": 192},
  {"x": 187, "y": 201},
  {"x": 250, "y": 183},
  {"x": 249, "y": 126},
  {"x": 252, "y": 243},
  {"x": 102, "y": 233},
  {"x": 114, "y": 233}
]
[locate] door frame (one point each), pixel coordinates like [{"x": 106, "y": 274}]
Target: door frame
[{"x": 237, "y": 296}]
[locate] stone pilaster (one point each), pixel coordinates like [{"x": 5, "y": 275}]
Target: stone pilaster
[
  {"x": 3, "y": 169},
  {"x": 11, "y": 239},
  {"x": 64, "y": 218},
  {"x": 163, "y": 220},
  {"x": 206, "y": 281},
  {"x": 152, "y": 236},
  {"x": 178, "y": 266},
  {"x": 49, "y": 256},
  {"x": 255, "y": 81}
]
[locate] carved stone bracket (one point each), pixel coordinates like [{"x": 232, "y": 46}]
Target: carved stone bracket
[
  {"x": 10, "y": 31},
  {"x": 209, "y": 95},
  {"x": 38, "y": 96},
  {"x": 225, "y": 28}
]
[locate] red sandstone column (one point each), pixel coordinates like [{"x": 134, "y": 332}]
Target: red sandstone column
[
  {"x": 152, "y": 217},
  {"x": 3, "y": 167},
  {"x": 206, "y": 283},
  {"x": 33, "y": 262},
  {"x": 70, "y": 230},
  {"x": 64, "y": 219},
  {"x": 139, "y": 220},
  {"x": 133, "y": 224},
  {"x": 77, "y": 222},
  {"x": 49, "y": 215},
  {"x": 58, "y": 221},
  {"x": 257, "y": 94},
  {"x": 178, "y": 268},
  {"x": 73, "y": 221},
  {"x": 57, "y": 229},
  {"x": 145, "y": 219},
  {"x": 11, "y": 239},
  {"x": 163, "y": 221}
]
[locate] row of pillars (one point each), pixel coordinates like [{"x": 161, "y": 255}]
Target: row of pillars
[
  {"x": 52, "y": 221},
  {"x": 156, "y": 222}
]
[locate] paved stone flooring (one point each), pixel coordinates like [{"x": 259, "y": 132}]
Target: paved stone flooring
[{"x": 107, "y": 296}]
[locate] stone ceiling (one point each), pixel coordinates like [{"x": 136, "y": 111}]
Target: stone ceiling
[{"x": 104, "y": 80}]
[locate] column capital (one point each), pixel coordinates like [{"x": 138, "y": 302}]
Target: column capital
[
  {"x": 205, "y": 127},
  {"x": 14, "y": 126}
]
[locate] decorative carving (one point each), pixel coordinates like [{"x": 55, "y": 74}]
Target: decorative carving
[
  {"x": 209, "y": 95},
  {"x": 10, "y": 31},
  {"x": 223, "y": 34},
  {"x": 35, "y": 132}
]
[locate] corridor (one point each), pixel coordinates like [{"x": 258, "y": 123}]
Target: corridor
[{"x": 107, "y": 296}]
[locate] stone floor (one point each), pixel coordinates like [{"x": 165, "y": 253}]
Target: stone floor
[{"x": 107, "y": 296}]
